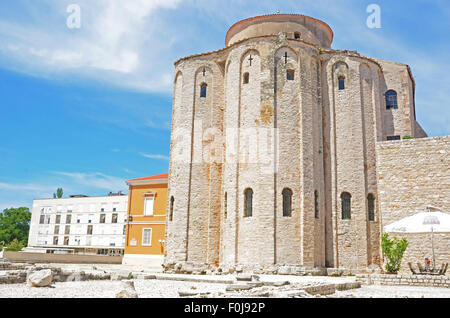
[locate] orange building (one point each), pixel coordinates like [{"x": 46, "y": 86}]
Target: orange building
[{"x": 146, "y": 221}]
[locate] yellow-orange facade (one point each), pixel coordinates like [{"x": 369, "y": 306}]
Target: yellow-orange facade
[{"x": 146, "y": 220}]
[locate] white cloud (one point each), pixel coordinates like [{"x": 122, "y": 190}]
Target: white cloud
[
  {"x": 161, "y": 125},
  {"x": 23, "y": 194},
  {"x": 24, "y": 187},
  {"x": 14, "y": 204},
  {"x": 150, "y": 156},
  {"x": 112, "y": 44},
  {"x": 95, "y": 180}
]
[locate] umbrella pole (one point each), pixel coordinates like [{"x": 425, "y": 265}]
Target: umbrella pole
[{"x": 432, "y": 247}]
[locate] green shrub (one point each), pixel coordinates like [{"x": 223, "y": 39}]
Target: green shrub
[
  {"x": 14, "y": 246},
  {"x": 393, "y": 250},
  {"x": 407, "y": 137}
]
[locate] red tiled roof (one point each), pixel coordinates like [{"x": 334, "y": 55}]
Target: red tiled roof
[{"x": 158, "y": 176}]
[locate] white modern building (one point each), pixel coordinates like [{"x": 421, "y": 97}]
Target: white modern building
[{"x": 79, "y": 224}]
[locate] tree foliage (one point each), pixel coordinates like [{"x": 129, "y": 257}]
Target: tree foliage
[
  {"x": 58, "y": 194},
  {"x": 15, "y": 246},
  {"x": 393, "y": 249},
  {"x": 15, "y": 224}
]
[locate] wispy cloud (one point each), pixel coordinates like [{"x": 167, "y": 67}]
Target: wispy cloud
[
  {"x": 112, "y": 44},
  {"x": 23, "y": 194},
  {"x": 22, "y": 187},
  {"x": 94, "y": 180},
  {"x": 150, "y": 156},
  {"x": 165, "y": 125}
]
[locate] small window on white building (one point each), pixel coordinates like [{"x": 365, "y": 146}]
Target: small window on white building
[
  {"x": 146, "y": 237},
  {"x": 149, "y": 204},
  {"x": 115, "y": 207}
]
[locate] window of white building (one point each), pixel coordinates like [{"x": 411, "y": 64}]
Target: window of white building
[{"x": 146, "y": 237}]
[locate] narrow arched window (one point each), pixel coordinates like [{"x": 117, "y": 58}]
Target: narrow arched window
[
  {"x": 225, "y": 205},
  {"x": 171, "y": 208},
  {"x": 371, "y": 206},
  {"x": 248, "y": 202},
  {"x": 316, "y": 204},
  {"x": 287, "y": 202},
  {"x": 346, "y": 199},
  {"x": 341, "y": 80},
  {"x": 290, "y": 74},
  {"x": 246, "y": 78},
  {"x": 391, "y": 100},
  {"x": 203, "y": 90}
]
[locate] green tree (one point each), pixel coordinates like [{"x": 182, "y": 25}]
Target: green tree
[
  {"x": 15, "y": 224},
  {"x": 58, "y": 194},
  {"x": 393, "y": 249},
  {"x": 15, "y": 246}
]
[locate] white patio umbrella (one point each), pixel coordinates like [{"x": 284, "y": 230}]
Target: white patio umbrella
[{"x": 423, "y": 222}]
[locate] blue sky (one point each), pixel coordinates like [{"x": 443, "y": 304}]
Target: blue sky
[{"x": 86, "y": 109}]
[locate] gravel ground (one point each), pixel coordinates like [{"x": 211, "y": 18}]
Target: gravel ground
[
  {"x": 105, "y": 289},
  {"x": 377, "y": 291},
  {"x": 169, "y": 289}
]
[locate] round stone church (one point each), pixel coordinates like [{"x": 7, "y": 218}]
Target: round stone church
[{"x": 278, "y": 150}]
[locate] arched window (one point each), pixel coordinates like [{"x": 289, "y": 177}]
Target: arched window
[
  {"x": 246, "y": 78},
  {"x": 341, "y": 80},
  {"x": 287, "y": 202},
  {"x": 371, "y": 206},
  {"x": 225, "y": 205},
  {"x": 297, "y": 35},
  {"x": 346, "y": 199},
  {"x": 171, "y": 208},
  {"x": 316, "y": 204},
  {"x": 248, "y": 202},
  {"x": 290, "y": 74},
  {"x": 391, "y": 100},
  {"x": 203, "y": 89}
]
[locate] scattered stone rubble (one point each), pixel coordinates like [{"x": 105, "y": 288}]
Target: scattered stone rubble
[
  {"x": 206, "y": 269},
  {"x": 250, "y": 285},
  {"x": 42, "y": 278},
  {"x": 15, "y": 273},
  {"x": 127, "y": 290}
]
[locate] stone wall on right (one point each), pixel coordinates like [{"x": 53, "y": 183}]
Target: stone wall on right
[{"x": 414, "y": 174}]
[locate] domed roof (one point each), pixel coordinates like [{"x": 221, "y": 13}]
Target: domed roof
[{"x": 313, "y": 30}]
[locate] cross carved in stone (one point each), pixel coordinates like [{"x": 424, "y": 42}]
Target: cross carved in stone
[
  {"x": 251, "y": 59},
  {"x": 285, "y": 57},
  {"x": 204, "y": 72}
]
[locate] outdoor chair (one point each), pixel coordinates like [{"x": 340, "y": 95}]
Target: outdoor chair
[
  {"x": 411, "y": 268},
  {"x": 421, "y": 269},
  {"x": 443, "y": 269}
]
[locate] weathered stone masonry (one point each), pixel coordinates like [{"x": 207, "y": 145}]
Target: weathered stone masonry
[{"x": 275, "y": 117}]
